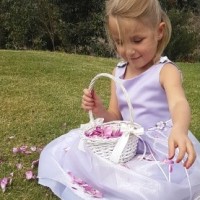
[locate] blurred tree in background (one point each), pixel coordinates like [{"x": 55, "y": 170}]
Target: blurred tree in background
[
  {"x": 185, "y": 19},
  {"x": 78, "y": 27}
]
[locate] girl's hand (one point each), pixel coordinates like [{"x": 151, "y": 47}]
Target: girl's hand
[
  {"x": 181, "y": 141},
  {"x": 91, "y": 101}
]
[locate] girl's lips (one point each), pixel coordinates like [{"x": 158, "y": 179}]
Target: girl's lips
[{"x": 135, "y": 58}]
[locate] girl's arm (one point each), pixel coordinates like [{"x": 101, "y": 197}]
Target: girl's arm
[
  {"x": 170, "y": 78},
  {"x": 91, "y": 101}
]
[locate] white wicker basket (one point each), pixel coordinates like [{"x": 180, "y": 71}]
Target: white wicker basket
[{"x": 120, "y": 149}]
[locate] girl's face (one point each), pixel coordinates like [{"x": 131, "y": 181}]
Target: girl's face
[{"x": 135, "y": 42}]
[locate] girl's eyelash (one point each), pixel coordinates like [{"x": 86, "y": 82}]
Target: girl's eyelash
[
  {"x": 137, "y": 40},
  {"x": 134, "y": 40}
]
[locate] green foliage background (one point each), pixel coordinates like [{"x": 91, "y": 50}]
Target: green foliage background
[{"x": 78, "y": 27}]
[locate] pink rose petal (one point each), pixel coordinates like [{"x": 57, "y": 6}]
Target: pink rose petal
[
  {"x": 33, "y": 148},
  {"x": 16, "y": 150},
  {"x": 170, "y": 163},
  {"x": 98, "y": 194},
  {"x": 66, "y": 149},
  {"x": 35, "y": 163},
  {"x": 87, "y": 188},
  {"x": 4, "y": 183},
  {"x": 39, "y": 149},
  {"x": 117, "y": 133},
  {"x": 27, "y": 152},
  {"x": 107, "y": 131},
  {"x": 104, "y": 132},
  {"x": 23, "y": 148},
  {"x": 19, "y": 166},
  {"x": 29, "y": 175}
]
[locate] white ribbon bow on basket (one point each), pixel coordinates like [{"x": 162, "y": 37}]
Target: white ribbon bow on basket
[{"x": 121, "y": 143}]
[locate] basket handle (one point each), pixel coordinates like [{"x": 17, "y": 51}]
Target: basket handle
[{"x": 117, "y": 81}]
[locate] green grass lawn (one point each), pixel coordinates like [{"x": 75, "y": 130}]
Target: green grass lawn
[{"x": 40, "y": 95}]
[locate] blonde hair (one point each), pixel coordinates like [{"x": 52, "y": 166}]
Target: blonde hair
[{"x": 143, "y": 10}]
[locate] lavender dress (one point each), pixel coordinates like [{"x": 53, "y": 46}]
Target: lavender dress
[{"x": 74, "y": 173}]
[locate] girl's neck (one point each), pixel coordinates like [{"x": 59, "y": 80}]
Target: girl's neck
[{"x": 133, "y": 71}]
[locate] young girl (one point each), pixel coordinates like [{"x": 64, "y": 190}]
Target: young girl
[{"x": 170, "y": 169}]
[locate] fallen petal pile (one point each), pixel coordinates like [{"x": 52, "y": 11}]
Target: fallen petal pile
[
  {"x": 25, "y": 149},
  {"x": 87, "y": 188},
  {"x": 6, "y": 181}
]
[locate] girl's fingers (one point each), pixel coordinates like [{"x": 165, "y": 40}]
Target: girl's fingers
[
  {"x": 184, "y": 148},
  {"x": 171, "y": 152},
  {"x": 181, "y": 154},
  {"x": 87, "y": 103},
  {"x": 87, "y": 99},
  {"x": 191, "y": 156},
  {"x": 88, "y": 93}
]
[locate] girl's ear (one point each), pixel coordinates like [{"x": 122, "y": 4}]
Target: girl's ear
[{"x": 160, "y": 32}]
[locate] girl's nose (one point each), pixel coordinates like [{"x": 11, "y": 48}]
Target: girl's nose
[{"x": 130, "y": 51}]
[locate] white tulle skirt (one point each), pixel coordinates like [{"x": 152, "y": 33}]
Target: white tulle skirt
[{"x": 75, "y": 173}]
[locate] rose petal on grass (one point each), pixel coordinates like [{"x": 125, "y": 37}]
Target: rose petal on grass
[
  {"x": 23, "y": 148},
  {"x": 4, "y": 183},
  {"x": 16, "y": 150},
  {"x": 35, "y": 163},
  {"x": 30, "y": 175},
  {"x": 39, "y": 149},
  {"x": 27, "y": 152},
  {"x": 19, "y": 165},
  {"x": 33, "y": 148}
]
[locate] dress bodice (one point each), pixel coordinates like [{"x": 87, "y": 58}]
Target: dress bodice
[{"x": 148, "y": 98}]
